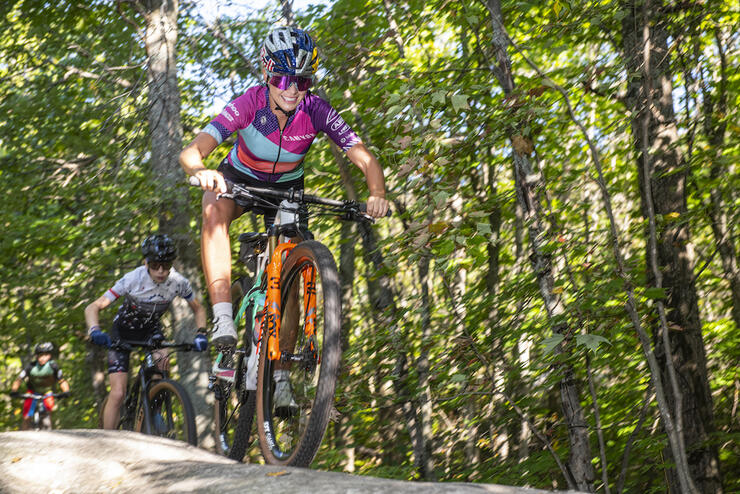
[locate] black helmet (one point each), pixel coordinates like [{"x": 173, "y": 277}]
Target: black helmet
[
  {"x": 44, "y": 347},
  {"x": 158, "y": 248}
]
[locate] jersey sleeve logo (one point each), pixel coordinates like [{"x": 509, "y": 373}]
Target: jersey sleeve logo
[{"x": 334, "y": 121}]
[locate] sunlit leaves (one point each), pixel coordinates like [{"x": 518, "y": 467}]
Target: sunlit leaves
[{"x": 459, "y": 102}]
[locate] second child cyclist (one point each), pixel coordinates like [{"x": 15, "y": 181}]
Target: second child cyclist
[{"x": 275, "y": 122}]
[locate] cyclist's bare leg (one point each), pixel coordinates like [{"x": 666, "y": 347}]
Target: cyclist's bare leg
[
  {"x": 111, "y": 414},
  {"x": 215, "y": 245},
  {"x": 26, "y": 423}
]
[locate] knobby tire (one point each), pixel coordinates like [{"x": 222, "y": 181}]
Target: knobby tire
[
  {"x": 295, "y": 440},
  {"x": 170, "y": 400}
]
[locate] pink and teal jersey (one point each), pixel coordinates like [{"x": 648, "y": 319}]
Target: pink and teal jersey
[{"x": 261, "y": 148}]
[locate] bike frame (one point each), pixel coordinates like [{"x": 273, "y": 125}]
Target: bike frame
[
  {"x": 37, "y": 410},
  {"x": 270, "y": 323}
]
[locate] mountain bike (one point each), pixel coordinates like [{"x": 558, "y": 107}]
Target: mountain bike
[
  {"x": 41, "y": 420},
  {"x": 290, "y": 313},
  {"x": 154, "y": 403}
]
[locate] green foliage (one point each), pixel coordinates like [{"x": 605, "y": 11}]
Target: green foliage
[{"x": 471, "y": 338}]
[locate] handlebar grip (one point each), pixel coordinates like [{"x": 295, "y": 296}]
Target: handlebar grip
[{"x": 363, "y": 209}]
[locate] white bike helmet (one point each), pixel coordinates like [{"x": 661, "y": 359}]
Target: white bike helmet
[{"x": 290, "y": 51}]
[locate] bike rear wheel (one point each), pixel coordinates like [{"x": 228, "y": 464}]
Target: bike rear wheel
[
  {"x": 171, "y": 412},
  {"x": 294, "y": 438},
  {"x": 233, "y": 413}
]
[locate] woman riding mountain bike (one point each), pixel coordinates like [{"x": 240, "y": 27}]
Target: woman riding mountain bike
[{"x": 276, "y": 123}]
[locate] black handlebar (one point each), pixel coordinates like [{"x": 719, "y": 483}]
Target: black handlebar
[
  {"x": 149, "y": 345},
  {"x": 293, "y": 195},
  {"x": 36, "y": 396}
]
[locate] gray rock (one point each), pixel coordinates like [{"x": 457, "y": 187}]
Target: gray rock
[{"x": 95, "y": 461}]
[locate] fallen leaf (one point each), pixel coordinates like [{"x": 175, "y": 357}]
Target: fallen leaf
[{"x": 278, "y": 474}]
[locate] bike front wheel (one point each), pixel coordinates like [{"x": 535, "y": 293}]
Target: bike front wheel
[
  {"x": 171, "y": 412},
  {"x": 291, "y": 430}
]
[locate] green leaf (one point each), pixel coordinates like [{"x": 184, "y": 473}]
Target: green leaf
[
  {"x": 393, "y": 110},
  {"x": 439, "y": 97},
  {"x": 445, "y": 248},
  {"x": 655, "y": 293},
  {"x": 459, "y": 102},
  {"x": 484, "y": 228},
  {"x": 551, "y": 342},
  {"x": 591, "y": 341},
  {"x": 458, "y": 378},
  {"x": 440, "y": 198}
]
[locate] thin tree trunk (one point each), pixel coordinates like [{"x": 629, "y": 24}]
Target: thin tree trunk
[
  {"x": 528, "y": 185},
  {"x": 422, "y": 444},
  {"x": 722, "y": 225},
  {"x": 346, "y": 278},
  {"x": 96, "y": 360},
  {"x": 678, "y": 341},
  {"x": 165, "y": 131}
]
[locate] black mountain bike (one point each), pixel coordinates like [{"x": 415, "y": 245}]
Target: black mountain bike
[
  {"x": 154, "y": 403},
  {"x": 41, "y": 420},
  {"x": 290, "y": 314}
]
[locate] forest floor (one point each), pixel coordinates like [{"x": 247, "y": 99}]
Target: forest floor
[{"x": 93, "y": 461}]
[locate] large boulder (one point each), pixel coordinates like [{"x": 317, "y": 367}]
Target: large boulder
[{"x": 92, "y": 461}]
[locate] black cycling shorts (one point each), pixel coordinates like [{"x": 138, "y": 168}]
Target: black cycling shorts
[
  {"x": 130, "y": 325},
  {"x": 269, "y": 213}
]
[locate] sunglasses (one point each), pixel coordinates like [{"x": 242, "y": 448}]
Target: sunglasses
[
  {"x": 156, "y": 266},
  {"x": 284, "y": 81}
]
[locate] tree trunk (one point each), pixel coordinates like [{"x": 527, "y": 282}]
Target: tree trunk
[
  {"x": 422, "y": 445},
  {"x": 723, "y": 227},
  {"x": 343, "y": 437},
  {"x": 662, "y": 189},
  {"x": 528, "y": 186},
  {"x": 174, "y": 210}
]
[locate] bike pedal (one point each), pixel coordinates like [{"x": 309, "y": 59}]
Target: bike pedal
[{"x": 286, "y": 412}]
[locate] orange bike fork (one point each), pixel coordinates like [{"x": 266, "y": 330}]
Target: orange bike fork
[
  {"x": 309, "y": 300},
  {"x": 272, "y": 300}
]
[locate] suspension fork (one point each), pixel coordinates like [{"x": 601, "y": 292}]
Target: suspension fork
[
  {"x": 143, "y": 389},
  {"x": 309, "y": 291},
  {"x": 272, "y": 299}
]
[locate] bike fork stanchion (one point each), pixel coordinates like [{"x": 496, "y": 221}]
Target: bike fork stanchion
[{"x": 145, "y": 407}]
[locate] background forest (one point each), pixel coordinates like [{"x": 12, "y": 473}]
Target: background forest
[{"x": 556, "y": 300}]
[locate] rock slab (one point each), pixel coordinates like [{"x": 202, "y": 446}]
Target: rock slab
[{"x": 96, "y": 461}]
